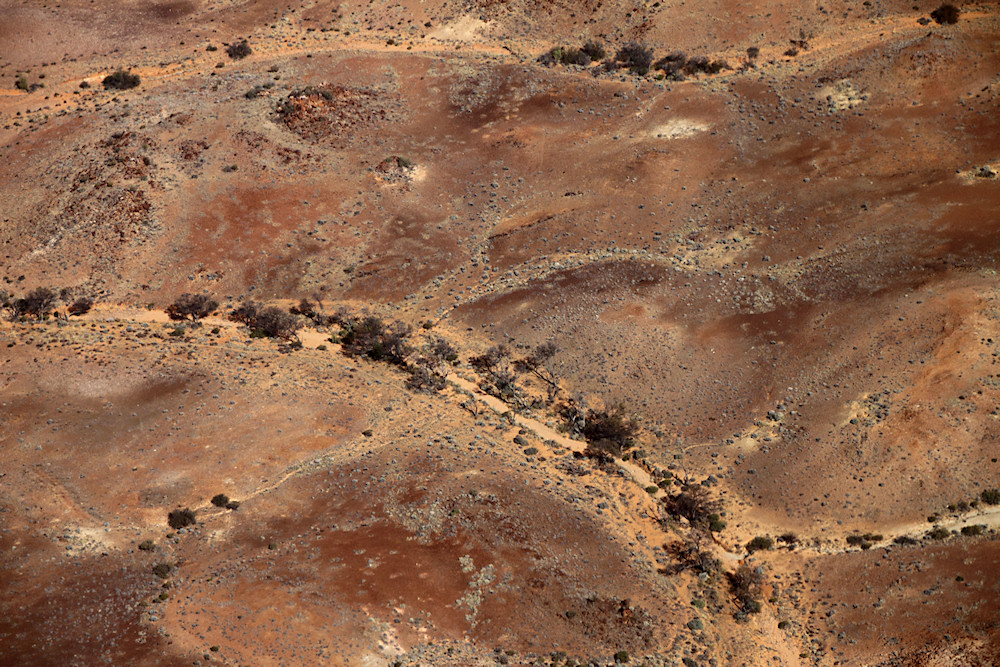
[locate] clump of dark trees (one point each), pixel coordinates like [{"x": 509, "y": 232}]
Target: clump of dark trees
[
  {"x": 501, "y": 373},
  {"x": 41, "y": 302},
  {"x": 636, "y": 58}
]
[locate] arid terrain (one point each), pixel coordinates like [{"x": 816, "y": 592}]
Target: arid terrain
[{"x": 681, "y": 354}]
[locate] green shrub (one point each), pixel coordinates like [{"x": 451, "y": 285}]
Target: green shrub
[
  {"x": 147, "y": 545},
  {"x": 939, "y": 533},
  {"x": 759, "y": 543}
]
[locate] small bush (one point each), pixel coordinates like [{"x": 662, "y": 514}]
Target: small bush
[
  {"x": 21, "y": 83},
  {"x": 990, "y": 496},
  {"x": 233, "y": 505},
  {"x": 946, "y": 14},
  {"x": 904, "y": 540},
  {"x": 81, "y": 306},
  {"x": 977, "y": 529},
  {"x": 753, "y": 52},
  {"x": 788, "y": 538},
  {"x": 621, "y": 657},
  {"x": 191, "y": 306},
  {"x": 759, "y": 543},
  {"x": 594, "y": 49},
  {"x": 636, "y": 57},
  {"x": 612, "y": 432},
  {"x": 121, "y": 80},
  {"x": 147, "y": 545},
  {"x": 220, "y": 500},
  {"x": 163, "y": 570},
  {"x": 239, "y": 50},
  {"x": 179, "y": 518},
  {"x": 939, "y": 533},
  {"x": 746, "y": 583}
]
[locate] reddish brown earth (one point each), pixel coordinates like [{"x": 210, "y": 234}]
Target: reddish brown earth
[{"x": 785, "y": 271}]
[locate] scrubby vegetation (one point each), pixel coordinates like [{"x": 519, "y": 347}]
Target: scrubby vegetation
[
  {"x": 946, "y": 14},
  {"x": 746, "y": 583},
  {"x": 560, "y": 55},
  {"x": 37, "y": 304},
  {"x": 691, "y": 553},
  {"x": 239, "y": 50},
  {"x": 696, "y": 505},
  {"x": 80, "y": 306},
  {"x": 676, "y": 66},
  {"x": 370, "y": 337},
  {"x": 266, "y": 321},
  {"x": 179, "y": 518},
  {"x": 759, "y": 543},
  {"x": 636, "y": 57},
  {"x": 864, "y": 541},
  {"x": 121, "y": 80},
  {"x": 191, "y": 307}
]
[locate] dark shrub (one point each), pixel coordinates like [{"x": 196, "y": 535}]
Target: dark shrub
[
  {"x": 245, "y": 313},
  {"x": 636, "y": 57},
  {"x": 746, "y": 584},
  {"x": 788, "y": 538},
  {"x": 946, "y": 14},
  {"x": 424, "y": 379},
  {"x": 38, "y": 304},
  {"x": 266, "y": 322},
  {"x": 239, "y": 50},
  {"x": 81, "y": 306},
  {"x": 939, "y": 533},
  {"x": 594, "y": 49},
  {"x": 163, "y": 570},
  {"x": 180, "y": 518},
  {"x": 694, "y": 504},
  {"x": 904, "y": 539},
  {"x": 220, "y": 500},
  {"x": 672, "y": 65},
  {"x": 990, "y": 496},
  {"x": 233, "y": 505},
  {"x": 273, "y": 322},
  {"x": 191, "y": 306},
  {"x": 492, "y": 358},
  {"x": 612, "y": 432},
  {"x": 692, "y": 553},
  {"x": 121, "y": 80},
  {"x": 753, "y": 52},
  {"x": 977, "y": 529},
  {"x": 147, "y": 545},
  {"x": 370, "y": 337},
  {"x": 759, "y": 543}
]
